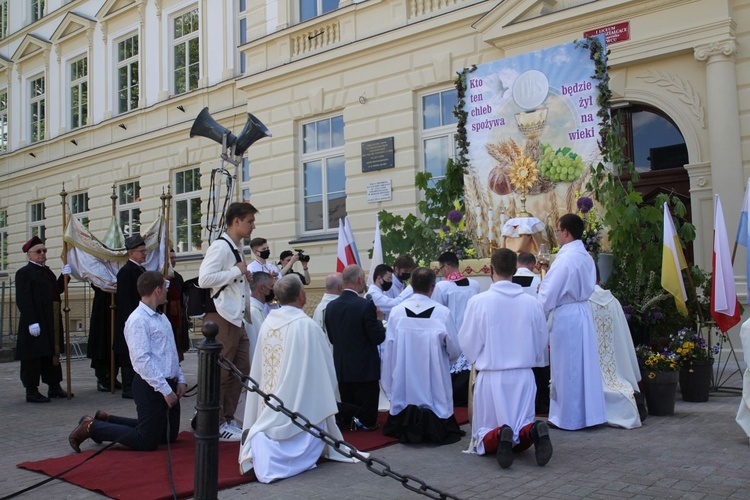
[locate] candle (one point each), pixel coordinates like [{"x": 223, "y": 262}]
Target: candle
[
  {"x": 478, "y": 211},
  {"x": 489, "y": 215}
]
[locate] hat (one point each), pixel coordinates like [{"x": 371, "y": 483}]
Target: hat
[
  {"x": 134, "y": 241},
  {"x": 285, "y": 254},
  {"x": 34, "y": 241}
]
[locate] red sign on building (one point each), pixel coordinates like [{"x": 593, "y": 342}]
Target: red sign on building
[{"x": 614, "y": 33}]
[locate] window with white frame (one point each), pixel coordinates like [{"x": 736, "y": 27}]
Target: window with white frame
[
  {"x": 313, "y": 8},
  {"x": 324, "y": 177},
  {"x": 79, "y": 94},
  {"x": 36, "y": 220},
  {"x": 186, "y": 51},
  {"x": 4, "y": 121},
  {"x": 79, "y": 207},
  {"x": 37, "y": 112},
  {"x": 3, "y": 18},
  {"x": 242, "y": 32},
  {"x": 438, "y": 131},
  {"x": 187, "y": 210},
  {"x": 3, "y": 240},
  {"x": 37, "y": 10},
  {"x": 128, "y": 77},
  {"x": 128, "y": 209}
]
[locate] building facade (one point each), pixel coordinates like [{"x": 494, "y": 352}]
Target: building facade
[{"x": 101, "y": 94}]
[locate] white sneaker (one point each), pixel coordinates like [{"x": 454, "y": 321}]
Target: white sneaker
[
  {"x": 234, "y": 424},
  {"x": 229, "y": 433}
]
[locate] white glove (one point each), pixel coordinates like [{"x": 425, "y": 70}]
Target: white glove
[
  {"x": 168, "y": 282},
  {"x": 66, "y": 269},
  {"x": 34, "y": 330}
]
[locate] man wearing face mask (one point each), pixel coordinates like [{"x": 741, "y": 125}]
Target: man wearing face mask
[
  {"x": 261, "y": 288},
  {"x": 402, "y": 267},
  {"x": 261, "y": 252},
  {"x": 382, "y": 283}
]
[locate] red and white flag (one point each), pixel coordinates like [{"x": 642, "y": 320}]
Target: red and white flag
[
  {"x": 725, "y": 308},
  {"x": 346, "y": 254}
]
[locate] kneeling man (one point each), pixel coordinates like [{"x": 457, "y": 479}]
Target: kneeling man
[
  {"x": 293, "y": 361},
  {"x": 504, "y": 334},
  {"x": 420, "y": 345}
]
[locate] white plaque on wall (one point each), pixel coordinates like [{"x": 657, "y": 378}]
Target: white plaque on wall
[{"x": 378, "y": 191}]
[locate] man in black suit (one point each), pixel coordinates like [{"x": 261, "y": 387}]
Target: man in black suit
[
  {"x": 126, "y": 300},
  {"x": 355, "y": 328}
]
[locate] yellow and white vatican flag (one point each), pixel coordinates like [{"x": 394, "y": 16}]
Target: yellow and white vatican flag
[{"x": 672, "y": 264}]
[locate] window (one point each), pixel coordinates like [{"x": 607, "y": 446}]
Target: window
[
  {"x": 79, "y": 95},
  {"x": 438, "y": 131},
  {"x": 3, "y": 240},
  {"x": 187, "y": 202},
  {"x": 36, "y": 220},
  {"x": 312, "y": 8},
  {"x": 37, "y": 10},
  {"x": 37, "y": 109},
  {"x": 127, "y": 74},
  {"x": 3, "y": 18},
  {"x": 4, "y": 121},
  {"x": 79, "y": 207},
  {"x": 242, "y": 39},
  {"x": 186, "y": 52},
  {"x": 324, "y": 175},
  {"x": 128, "y": 211},
  {"x": 653, "y": 140}
]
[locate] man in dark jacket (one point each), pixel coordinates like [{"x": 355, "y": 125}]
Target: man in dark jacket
[
  {"x": 355, "y": 328},
  {"x": 126, "y": 300},
  {"x": 40, "y": 326}
]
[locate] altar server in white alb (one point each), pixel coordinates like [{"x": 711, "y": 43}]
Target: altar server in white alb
[
  {"x": 505, "y": 334},
  {"x": 576, "y": 392},
  {"x": 293, "y": 361},
  {"x": 619, "y": 365},
  {"x": 420, "y": 342},
  {"x": 743, "y": 414}
]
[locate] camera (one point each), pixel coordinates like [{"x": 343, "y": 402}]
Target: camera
[{"x": 302, "y": 256}]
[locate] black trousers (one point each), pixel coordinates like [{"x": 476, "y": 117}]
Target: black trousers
[
  {"x": 149, "y": 430},
  {"x": 126, "y": 371},
  {"x": 542, "y": 377},
  {"x": 34, "y": 369},
  {"x": 359, "y": 399}
]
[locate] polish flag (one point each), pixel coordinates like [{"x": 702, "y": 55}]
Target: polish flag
[
  {"x": 346, "y": 254},
  {"x": 377, "y": 251},
  {"x": 725, "y": 308}
]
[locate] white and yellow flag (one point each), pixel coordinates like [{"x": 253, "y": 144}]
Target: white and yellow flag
[{"x": 672, "y": 263}]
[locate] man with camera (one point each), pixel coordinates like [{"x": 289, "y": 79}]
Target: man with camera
[{"x": 287, "y": 260}]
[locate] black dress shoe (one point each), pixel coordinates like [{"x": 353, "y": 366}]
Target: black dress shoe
[
  {"x": 36, "y": 397},
  {"x": 103, "y": 386},
  {"x": 57, "y": 392}
]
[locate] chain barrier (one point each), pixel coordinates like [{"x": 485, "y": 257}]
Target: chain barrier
[{"x": 374, "y": 465}]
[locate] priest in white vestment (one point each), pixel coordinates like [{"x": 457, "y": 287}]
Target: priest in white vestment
[
  {"x": 293, "y": 361},
  {"x": 576, "y": 391},
  {"x": 526, "y": 264},
  {"x": 261, "y": 292},
  {"x": 743, "y": 414},
  {"x": 619, "y": 365},
  {"x": 334, "y": 286},
  {"x": 420, "y": 342},
  {"x": 505, "y": 334}
]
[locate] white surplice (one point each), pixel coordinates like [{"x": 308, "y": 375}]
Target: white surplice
[
  {"x": 532, "y": 289},
  {"x": 455, "y": 298},
  {"x": 319, "y": 313},
  {"x": 417, "y": 352},
  {"x": 292, "y": 361},
  {"x": 576, "y": 391},
  {"x": 257, "y": 316},
  {"x": 743, "y": 413},
  {"x": 504, "y": 334},
  {"x": 619, "y": 365}
]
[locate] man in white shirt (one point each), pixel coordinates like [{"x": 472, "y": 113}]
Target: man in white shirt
[
  {"x": 225, "y": 272},
  {"x": 504, "y": 334},
  {"x": 454, "y": 292},
  {"x": 334, "y": 287},
  {"x": 420, "y": 344},
  {"x": 402, "y": 267},
  {"x": 261, "y": 292},
  {"x": 526, "y": 264},
  {"x": 576, "y": 392},
  {"x": 301, "y": 373},
  {"x": 158, "y": 383},
  {"x": 261, "y": 252},
  {"x": 382, "y": 281}
]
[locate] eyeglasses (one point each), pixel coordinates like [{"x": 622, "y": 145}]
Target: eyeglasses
[{"x": 43, "y": 250}]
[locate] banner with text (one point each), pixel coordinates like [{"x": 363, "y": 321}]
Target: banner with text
[{"x": 536, "y": 109}]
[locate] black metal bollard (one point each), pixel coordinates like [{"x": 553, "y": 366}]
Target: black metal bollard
[{"x": 207, "y": 420}]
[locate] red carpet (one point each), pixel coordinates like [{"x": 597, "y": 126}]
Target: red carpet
[{"x": 123, "y": 473}]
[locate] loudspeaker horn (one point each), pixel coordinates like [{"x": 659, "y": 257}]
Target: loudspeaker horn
[
  {"x": 253, "y": 131},
  {"x": 205, "y": 126}
]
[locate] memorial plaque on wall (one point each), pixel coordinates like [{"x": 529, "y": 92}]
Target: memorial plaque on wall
[
  {"x": 378, "y": 154},
  {"x": 379, "y": 191}
]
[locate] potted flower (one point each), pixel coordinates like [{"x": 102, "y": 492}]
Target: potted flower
[
  {"x": 452, "y": 237},
  {"x": 696, "y": 360},
  {"x": 659, "y": 374}
]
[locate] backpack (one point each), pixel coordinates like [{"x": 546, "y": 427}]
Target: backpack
[{"x": 199, "y": 301}]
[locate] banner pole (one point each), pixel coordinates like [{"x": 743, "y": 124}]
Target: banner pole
[
  {"x": 66, "y": 308},
  {"x": 112, "y": 370}
]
